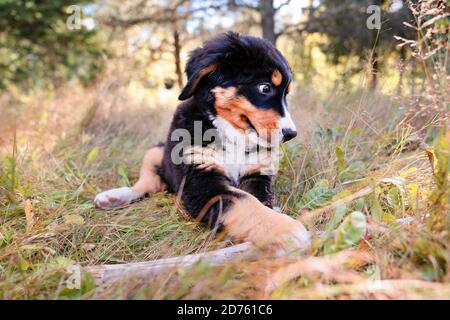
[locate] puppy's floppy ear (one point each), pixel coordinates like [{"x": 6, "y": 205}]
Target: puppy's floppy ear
[
  {"x": 203, "y": 61},
  {"x": 194, "y": 79}
]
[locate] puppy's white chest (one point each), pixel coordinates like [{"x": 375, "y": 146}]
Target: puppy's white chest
[
  {"x": 238, "y": 154},
  {"x": 237, "y": 162},
  {"x": 238, "y": 165}
]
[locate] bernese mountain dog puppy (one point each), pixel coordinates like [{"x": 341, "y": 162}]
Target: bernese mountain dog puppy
[{"x": 223, "y": 143}]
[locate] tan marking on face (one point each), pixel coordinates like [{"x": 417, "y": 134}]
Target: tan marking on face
[
  {"x": 289, "y": 88},
  {"x": 277, "y": 78},
  {"x": 149, "y": 180},
  {"x": 237, "y": 109},
  {"x": 249, "y": 220}
]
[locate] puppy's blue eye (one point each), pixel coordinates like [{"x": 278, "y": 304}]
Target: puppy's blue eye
[{"x": 264, "y": 88}]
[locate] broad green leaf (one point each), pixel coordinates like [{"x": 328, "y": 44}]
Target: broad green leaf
[
  {"x": 317, "y": 196},
  {"x": 352, "y": 171},
  {"x": 351, "y": 231},
  {"x": 336, "y": 218}
]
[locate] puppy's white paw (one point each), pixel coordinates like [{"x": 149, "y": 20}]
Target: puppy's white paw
[{"x": 115, "y": 198}]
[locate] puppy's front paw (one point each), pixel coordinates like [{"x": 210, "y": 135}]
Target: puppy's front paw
[
  {"x": 249, "y": 220},
  {"x": 281, "y": 233},
  {"x": 205, "y": 158},
  {"x": 115, "y": 198}
]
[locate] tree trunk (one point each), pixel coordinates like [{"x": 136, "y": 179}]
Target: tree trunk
[
  {"x": 268, "y": 20},
  {"x": 177, "y": 53}
]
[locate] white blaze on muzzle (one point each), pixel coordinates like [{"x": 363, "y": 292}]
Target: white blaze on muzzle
[{"x": 286, "y": 124}]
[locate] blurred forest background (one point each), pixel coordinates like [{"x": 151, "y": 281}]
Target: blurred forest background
[
  {"x": 47, "y": 43},
  {"x": 87, "y": 86}
]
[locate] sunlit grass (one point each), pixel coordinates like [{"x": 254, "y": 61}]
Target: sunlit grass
[{"x": 64, "y": 156}]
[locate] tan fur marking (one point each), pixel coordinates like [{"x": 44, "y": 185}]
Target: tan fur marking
[
  {"x": 201, "y": 74},
  {"x": 236, "y": 109},
  {"x": 249, "y": 220},
  {"x": 277, "y": 78},
  {"x": 257, "y": 168},
  {"x": 149, "y": 181},
  {"x": 289, "y": 87}
]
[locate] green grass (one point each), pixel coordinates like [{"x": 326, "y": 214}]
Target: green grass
[{"x": 58, "y": 162}]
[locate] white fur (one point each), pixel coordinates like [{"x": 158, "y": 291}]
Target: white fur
[
  {"x": 232, "y": 155},
  {"x": 286, "y": 121},
  {"x": 116, "y": 198}
]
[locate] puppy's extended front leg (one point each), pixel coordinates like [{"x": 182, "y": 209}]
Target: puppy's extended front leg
[
  {"x": 247, "y": 219},
  {"x": 149, "y": 182},
  {"x": 209, "y": 197}
]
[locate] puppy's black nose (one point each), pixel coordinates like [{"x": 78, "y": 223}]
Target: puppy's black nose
[{"x": 288, "y": 134}]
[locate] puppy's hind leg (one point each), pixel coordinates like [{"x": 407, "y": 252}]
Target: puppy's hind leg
[{"x": 149, "y": 182}]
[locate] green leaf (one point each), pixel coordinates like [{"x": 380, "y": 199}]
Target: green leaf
[
  {"x": 352, "y": 171},
  {"x": 394, "y": 197},
  {"x": 331, "y": 132},
  {"x": 317, "y": 196},
  {"x": 336, "y": 218},
  {"x": 351, "y": 231},
  {"x": 87, "y": 285},
  {"x": 340, "y": 155},
  {"x": 92, "y": 155},
  {"x": 24, "y": 265}
]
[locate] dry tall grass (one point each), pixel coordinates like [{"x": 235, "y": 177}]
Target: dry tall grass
[{"x": 364, "y": 159}]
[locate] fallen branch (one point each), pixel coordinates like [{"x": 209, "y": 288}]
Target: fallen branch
[{"x": 112, "y": 272}]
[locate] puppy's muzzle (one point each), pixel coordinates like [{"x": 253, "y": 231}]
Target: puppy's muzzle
[{"x": 288, "y": 134}]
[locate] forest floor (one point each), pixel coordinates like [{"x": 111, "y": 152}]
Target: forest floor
[{"x": 58, "y": 150}]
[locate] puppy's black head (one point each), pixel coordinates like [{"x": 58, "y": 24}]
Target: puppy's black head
[{"x": 243, "y": 81}]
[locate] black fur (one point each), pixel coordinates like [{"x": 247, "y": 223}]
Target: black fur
[{"x": 239, "y": 61}]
